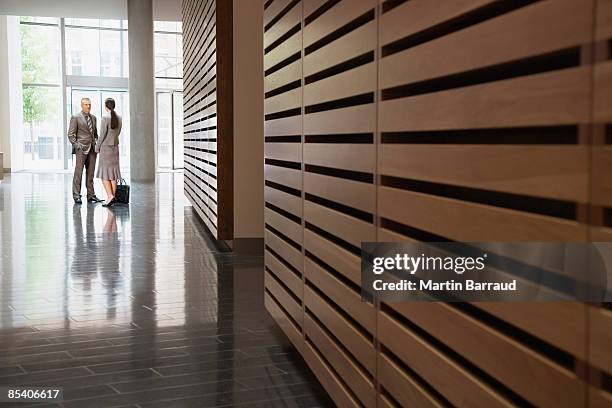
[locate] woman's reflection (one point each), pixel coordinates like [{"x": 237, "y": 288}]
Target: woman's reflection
[{"x": 110, "y": 273}]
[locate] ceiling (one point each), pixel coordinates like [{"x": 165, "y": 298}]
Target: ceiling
[{"x": 163, "y": 10}]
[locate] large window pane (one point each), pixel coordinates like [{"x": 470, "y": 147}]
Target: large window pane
[
  {"x": 42, "y": 127},
  {"x": 178, "y": 130},
  {"x": 164, "y": 129},
  {"x": 82, "y": 51},
  {"x": 40, "y": 54},
  {"x": 165, "y": 45},
  {"x": 110, "y": 53}
]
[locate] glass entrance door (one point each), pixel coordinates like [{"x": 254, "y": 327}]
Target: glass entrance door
[
  {"x": 169, "y": 114},
  {"x": 97, "y": 97}
]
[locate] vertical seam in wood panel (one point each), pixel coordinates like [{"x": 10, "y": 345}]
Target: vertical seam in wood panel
[
  {"x": 587, "y": 323},
  {"x": 377, "y": 348},
  {"x": 303, "y": 222}
]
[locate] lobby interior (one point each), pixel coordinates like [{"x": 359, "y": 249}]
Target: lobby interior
[{"x": 264, "y": 141}]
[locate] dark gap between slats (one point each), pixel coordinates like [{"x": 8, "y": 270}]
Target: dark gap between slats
[
  {"x": 284, "y": 262},
  {"x": 342, "y": 313},
  {"x": 195, "y": 202},
  {"x": 609, "y": 134},
  {"x": 209, "y": 139},
  {"x": 284, "y": 237},
  {"x": 283, "y": 114},
  {"x": 283, "y": 139},
  {"x": 341, "y": 103},
  {"x": 280, "y": 15},
  {"x": 271, "y": 272},
  {"x": 519, "y": 135},
  {"x": 345, "y": 174},
  {"x": 341, "y": 67},
  {"x": 319, "y": 12},
  {"x": 267, "y": 4},
  {"x": 283, "y": 63},
  {"x": 458, "y": 358},
  {"x": 286, "y": 288},
  {"x": 324, "y": 265},
  {"x": 470, "y": 18},
  {"x": 285, "y": 312},
  {"x": 352, "y": 138},
  {"x": 284, "y": 213},
  {"x": 285, "y": 88},
  {"x": 282, "y": 38},
  {"x": 389, "y": 399},
  {"x": 283, "y": 163},
  {"x": 411, "y": 373},
  {"x": 411, "y": 232},
  {"x": 389, "y": 5},
  {"x": 608, "y": 217},
  {"x": 606, "y": 382},
  {"x": 342, "y": 347},
  {"x": 345, "y": 209},
  {"x": 285, "y": 189},
  {"x": 330, "y": 237},
  {"x": 326, "y": 363},
  {"x": 559, "y": 356},
  {"x": 534, "y": 65},
  {"x": 544, "y": 206},
  {"x": 340, "y": 32}
]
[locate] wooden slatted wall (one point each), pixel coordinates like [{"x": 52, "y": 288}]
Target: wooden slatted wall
[
  {"x": 207, "y": 105},
  {"x": 467, "y": 120}
]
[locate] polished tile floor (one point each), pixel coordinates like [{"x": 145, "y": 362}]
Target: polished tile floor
[{"x": 134, "y": 306}]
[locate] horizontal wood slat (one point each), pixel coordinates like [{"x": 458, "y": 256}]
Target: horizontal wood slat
[
  {"x": 559, "y": 172},
  {"x": 488, "y": 43},
  {"x": 413, "y": 16},
  {"x": 555, "y": 98},
  {"x": 464, "y": 221}
]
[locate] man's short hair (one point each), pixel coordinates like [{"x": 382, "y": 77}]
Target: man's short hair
[{"x": 85, "y": 99}]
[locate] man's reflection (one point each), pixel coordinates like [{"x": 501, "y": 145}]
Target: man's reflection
[
  {"x": 110, "y": 272},
  {"x": 84, "y": 258}
]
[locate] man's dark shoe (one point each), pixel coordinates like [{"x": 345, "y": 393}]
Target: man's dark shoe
[
  {"x": 94, "y": 199},
  {"x": 78, "y": 201}
]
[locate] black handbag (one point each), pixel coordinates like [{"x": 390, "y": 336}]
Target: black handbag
[{"x": 122, "y": 195}]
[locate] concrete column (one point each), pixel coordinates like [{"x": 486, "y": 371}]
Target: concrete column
[{"x": 142, "y": 90}]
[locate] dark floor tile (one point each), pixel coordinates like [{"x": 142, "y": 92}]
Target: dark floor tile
[{"x": 11, "y": 370}]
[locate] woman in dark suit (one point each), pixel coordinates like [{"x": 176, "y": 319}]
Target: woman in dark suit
[{"x": 108, "y": 148}]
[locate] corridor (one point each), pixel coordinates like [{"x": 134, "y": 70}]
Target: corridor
[{"x": 135, "y": 306}]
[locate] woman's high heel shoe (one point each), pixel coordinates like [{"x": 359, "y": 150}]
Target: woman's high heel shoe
[{"x": 110, "y": 203}]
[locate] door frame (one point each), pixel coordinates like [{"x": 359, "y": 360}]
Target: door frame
[{"x": 172, "y": 93}]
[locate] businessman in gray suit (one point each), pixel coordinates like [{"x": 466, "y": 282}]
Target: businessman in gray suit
[{"x": 83, "y": 135}]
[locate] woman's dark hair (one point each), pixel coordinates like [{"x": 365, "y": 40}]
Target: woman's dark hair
[{"x": 110, "y": 104}]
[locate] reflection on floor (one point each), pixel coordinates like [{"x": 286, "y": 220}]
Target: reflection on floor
[{"x": 134, "y": 306}]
